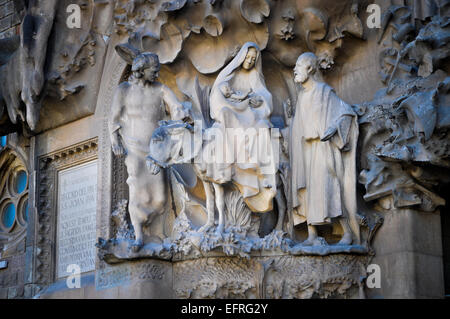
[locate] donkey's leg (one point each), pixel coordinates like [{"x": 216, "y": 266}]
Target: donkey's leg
[
  {"x": 220, "y": 203},
  {"x": 209, "y": 206}
]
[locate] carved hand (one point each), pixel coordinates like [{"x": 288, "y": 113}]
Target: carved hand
[
  {"x": 152, "y": 167},
  {"x": 329, "y": 134},
  {"x": 255, "y": 101},
  {"x": 117, "y": 146}
]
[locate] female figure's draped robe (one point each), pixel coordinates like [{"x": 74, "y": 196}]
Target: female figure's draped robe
[
  {"x": 323, "y": 172},
  {"x": 254, "y": 173}
]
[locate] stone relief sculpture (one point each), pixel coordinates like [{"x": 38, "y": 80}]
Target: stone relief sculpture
[
  {"x": 405, "y": 126},
  {"x": 252, "y": 109},
  {"x": 324, "y": 134},
  {"x": 137, "y": 107},
  {"x": 26, "y": 64},
  {"x": 232, "y": 207},
  {"x": 239, "y": 100},
  {"x": 201, "y": 202}
]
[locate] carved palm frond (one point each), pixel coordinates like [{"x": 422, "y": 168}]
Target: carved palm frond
[{"x": 238, "y": 215}]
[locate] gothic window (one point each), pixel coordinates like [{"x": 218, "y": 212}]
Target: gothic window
[{"x": 13, "y": 196}]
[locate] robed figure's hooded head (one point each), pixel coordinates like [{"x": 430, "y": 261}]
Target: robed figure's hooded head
[{"x": 254, "y": 81}]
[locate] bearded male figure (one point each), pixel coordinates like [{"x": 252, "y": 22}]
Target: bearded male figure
[
  {"x": 323, "y": 138},
  {"x": 138, "y": 106}
]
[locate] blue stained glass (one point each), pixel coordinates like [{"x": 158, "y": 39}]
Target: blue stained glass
[
  {"x": 9, "y": 215},
  {"x": 21, "y": 182},
  {"x": 3, "y": 141}
]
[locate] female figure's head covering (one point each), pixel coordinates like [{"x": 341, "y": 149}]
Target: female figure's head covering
[
  {"x": 230, "y": 114},
  {"x": 255, "y": 81}
]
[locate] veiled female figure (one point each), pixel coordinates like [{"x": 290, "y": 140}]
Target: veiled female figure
[{"x": 241, "y": 106}]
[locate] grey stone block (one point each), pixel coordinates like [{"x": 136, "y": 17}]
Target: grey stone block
[
  {"x": 410, "y": 275},
  {"x": 408, "y": 230},
  {"x": 5, "y": 23},
  {"x": 9, "y": 8},
  {"x": 3, "y": 293}
]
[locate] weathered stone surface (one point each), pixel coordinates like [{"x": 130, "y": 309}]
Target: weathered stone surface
[{"x": 171, "y": 226}]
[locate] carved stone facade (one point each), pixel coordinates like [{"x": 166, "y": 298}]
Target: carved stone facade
[
  {"x": 49, "y": 166},
  {"x": 231, "y": 149}
]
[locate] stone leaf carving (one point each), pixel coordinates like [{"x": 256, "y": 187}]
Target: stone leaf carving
[
  {"x": 406, "y": 145},
  {"x": 213, "y": 24},
  {"x": 223, "y": 44},
  {"x": 254, "y": 11},
  {"x": 406, "y": 126},
  {"x": 167, "y": 46},
  {"x": 132, "y": 15},
  {"x": 149, "y": 29},
  {"x": 418, "y": 47},
  {"x": 174, "y": 5}
]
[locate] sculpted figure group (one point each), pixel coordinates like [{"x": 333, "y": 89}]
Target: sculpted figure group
[{"x": 322, "y": 142}]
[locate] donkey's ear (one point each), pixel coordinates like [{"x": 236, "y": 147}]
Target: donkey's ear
[{"x": 127, "y": 52}]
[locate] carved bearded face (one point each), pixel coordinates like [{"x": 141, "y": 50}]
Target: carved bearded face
[
  {"x": 307, "y": 65},
  {"x": 301, "y": 72},
  {"x": 250, "y": 59}
]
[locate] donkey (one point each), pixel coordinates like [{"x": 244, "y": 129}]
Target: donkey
[{"x": 174, "y": 142}]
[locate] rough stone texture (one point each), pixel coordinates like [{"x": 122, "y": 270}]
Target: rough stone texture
[
  {"x": 11, "y": 14},
  {"x": 395, "y": 78}
]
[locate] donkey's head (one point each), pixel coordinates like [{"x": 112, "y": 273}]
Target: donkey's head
[{"x": 171, "y": 143}]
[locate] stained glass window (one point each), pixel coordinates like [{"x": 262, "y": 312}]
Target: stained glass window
[{"x": 9, "y": 215}]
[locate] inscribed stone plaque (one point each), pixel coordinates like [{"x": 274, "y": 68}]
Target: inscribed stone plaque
[{"x": 77, "y": 199}]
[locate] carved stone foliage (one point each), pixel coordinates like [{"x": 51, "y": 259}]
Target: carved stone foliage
[
  {"x": 49, "y": 165},
  {"x": 338, "y": 276},
  {"x": 198, "y": 38},
  {"x": 405, "y": 150}
]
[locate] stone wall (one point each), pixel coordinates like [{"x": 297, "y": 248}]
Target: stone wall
[
  {"x": 11, "y": 13},
  {"x": 12, "y": 277},
  {"x": 83, "y": 68}
]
